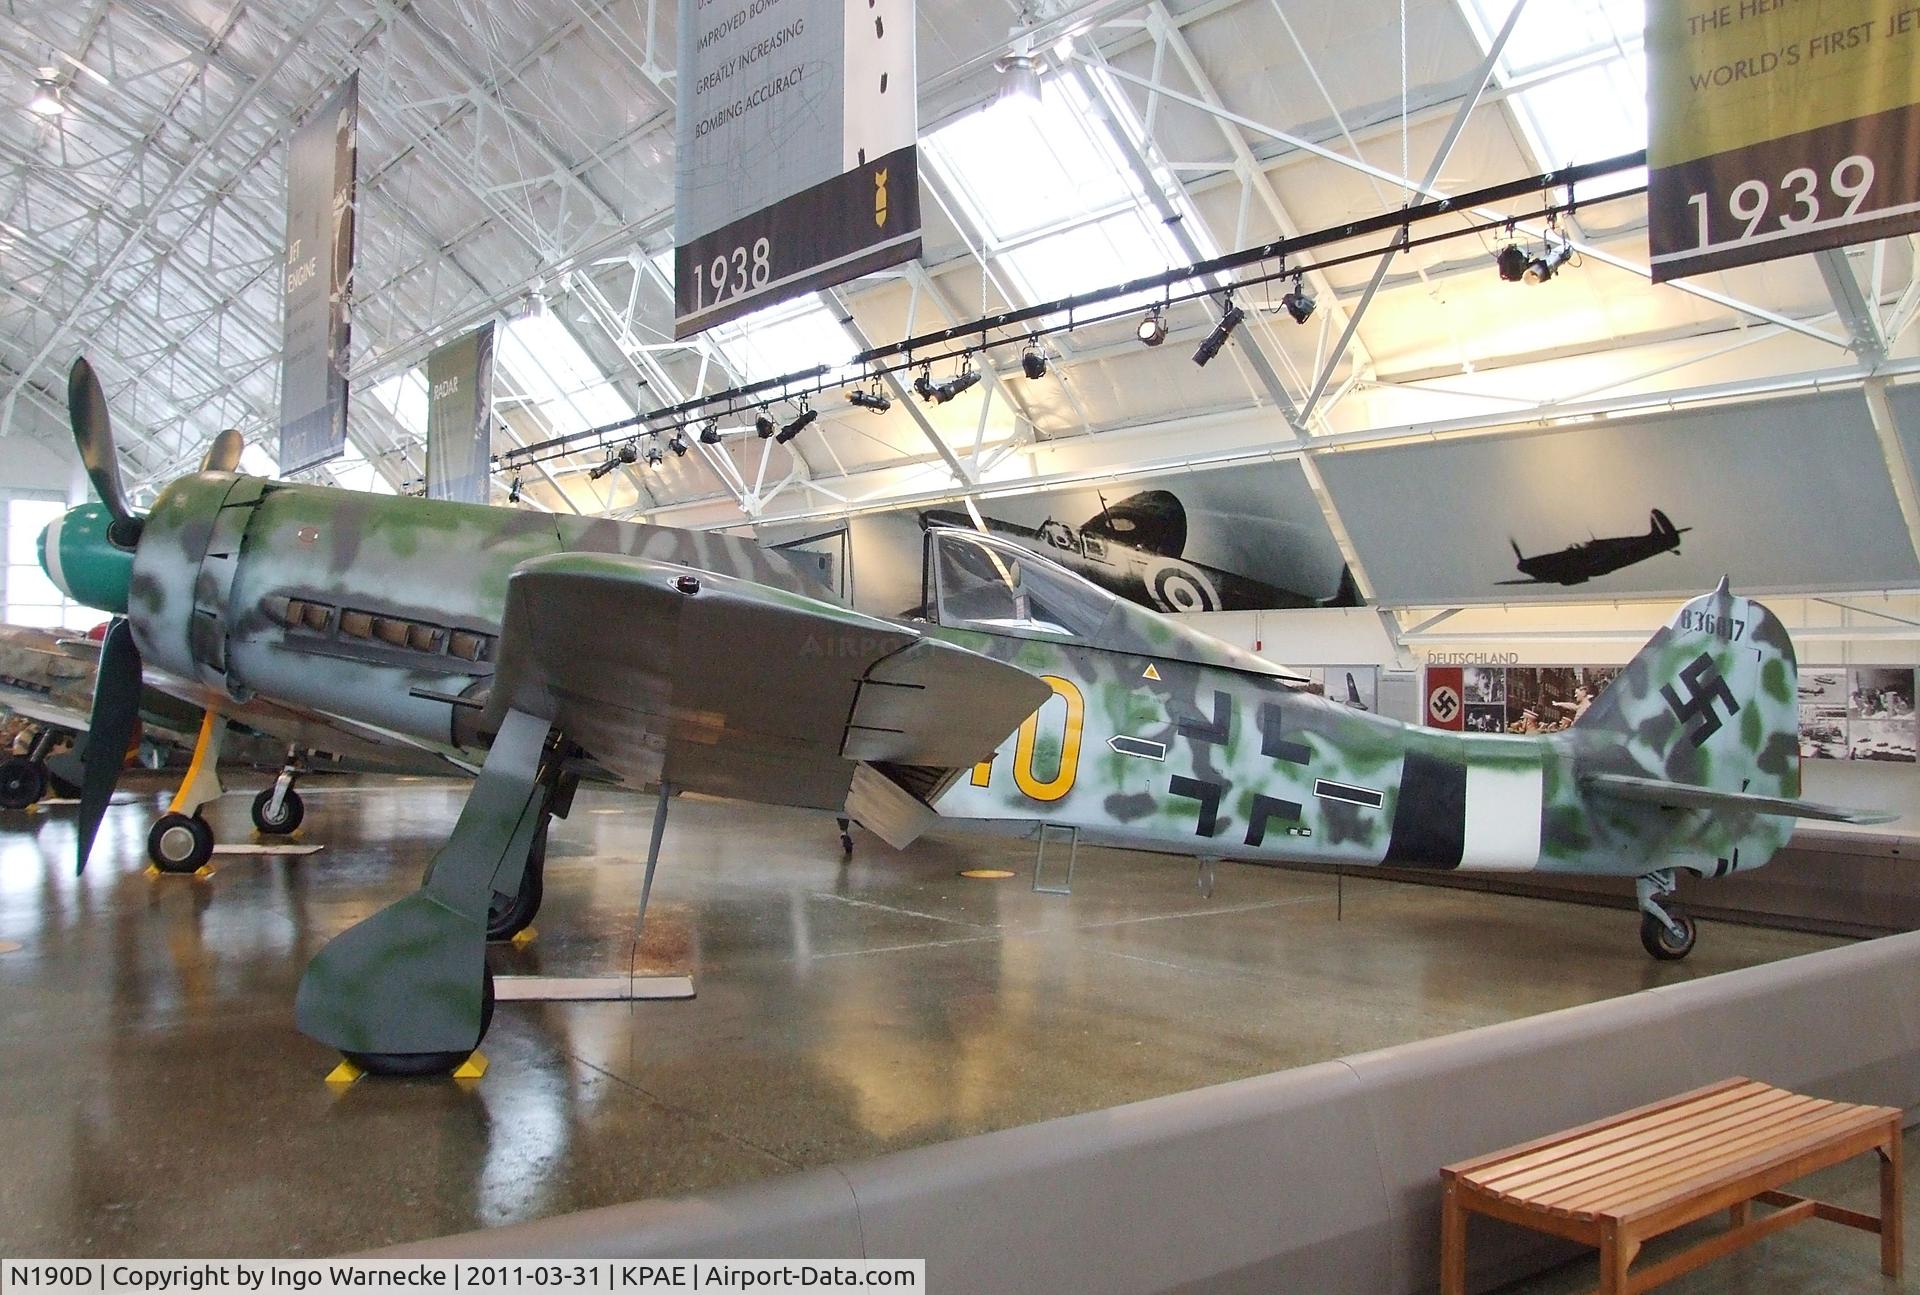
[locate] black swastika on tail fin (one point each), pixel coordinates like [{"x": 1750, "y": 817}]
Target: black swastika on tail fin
[{"x": 1704, "y": 688}]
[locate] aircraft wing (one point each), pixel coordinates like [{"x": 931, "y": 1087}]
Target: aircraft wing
[
  {"x": 1676, "y": 795},
  {"x": 733, "y": 688}
]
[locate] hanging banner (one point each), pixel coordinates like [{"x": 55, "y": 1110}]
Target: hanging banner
[
  {"x": 1778, "y": 127},
  {"x": 319, "y": 277},
  {"x": 797, "y": 166},
  {"x": 460, "y": 418}
]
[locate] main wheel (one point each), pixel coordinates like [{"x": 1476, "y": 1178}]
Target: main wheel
[
  {"x": 1664, "y": 944},
  {"x": 292, "y": 811},
  {"x": 22, "y": 782},
  {"x": 508, "y": 915},
  {"x": 180, "y": 843},
  {"x": 420, "y": 1065}
]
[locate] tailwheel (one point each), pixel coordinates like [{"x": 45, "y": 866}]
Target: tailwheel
[
  {"x": 508, "y": 915},
  {"x": 1664, "y": 943},
  {"x": 22, "y": 782},
  {"x": 180, "y": 843},
  {"x": 283, "y": 823},
  {"x": 425, "y": 1065}
]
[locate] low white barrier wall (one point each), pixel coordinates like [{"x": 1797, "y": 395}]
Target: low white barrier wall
[{"x": 1318, "y": 1180}]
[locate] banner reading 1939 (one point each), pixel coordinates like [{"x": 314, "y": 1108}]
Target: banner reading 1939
[
  {"x": 1778, "y": 127},
  {"x": 797, "y": 166}
]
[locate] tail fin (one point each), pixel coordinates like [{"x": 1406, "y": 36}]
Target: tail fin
[
  {"x": 1709, "y": 703},
  {"x": 1663, "y": 526}
]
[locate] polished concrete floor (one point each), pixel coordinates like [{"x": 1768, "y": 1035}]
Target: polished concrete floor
[{"x": 158, "y": 1101}]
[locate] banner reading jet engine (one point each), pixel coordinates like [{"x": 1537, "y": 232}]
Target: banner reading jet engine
[
  {"x": 460, "y": 418},
  {"x": 319, "y": 277},
  {"x": 1779, "y": 127},
  {"x": 797, "y": 166}
]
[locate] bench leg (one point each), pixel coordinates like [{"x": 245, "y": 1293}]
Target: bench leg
[
  {"x": 1737, "y": 1215},
  {"x": 1453, "y": 1243},
  {"x": 1892, "y": 1221},
  {"x": 1616, "y": 1256}
]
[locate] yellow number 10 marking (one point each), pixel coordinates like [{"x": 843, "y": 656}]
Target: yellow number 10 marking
[{"x": 1025, "y": 776}]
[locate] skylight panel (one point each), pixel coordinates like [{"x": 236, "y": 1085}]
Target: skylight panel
[
  {"x": 405, "y": 397},
  {"x": 784, "y": 339},
  {"x": 549, "y": 367},
  {"x": 1053, "y": 193},
  {"x": 1578, "y": 72}
]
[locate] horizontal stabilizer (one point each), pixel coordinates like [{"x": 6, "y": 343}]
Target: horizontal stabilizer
[{"x": 1674, "y": 795}]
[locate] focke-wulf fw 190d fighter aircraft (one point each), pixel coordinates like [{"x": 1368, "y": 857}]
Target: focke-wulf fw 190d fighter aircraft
[{"x": 543, "y": 646}]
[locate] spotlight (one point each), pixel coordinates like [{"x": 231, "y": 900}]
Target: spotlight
[
  {"x": 1210, "y": 347},
  {"x": 764, "y": 426},
  {"x": 595, "y": 473},
  {"x": 630, "y": 451},
  {"x": 46, "y": 94},
  {"x": 1513, "y": 261},
  {"x": 1542, "y": 267},
  {"x": 710, "y": 434},
  {"x": 1153, "y": 329},
  {"x": 797, "y": 426},
  {"x": 1019, "y": 83},
  {"x": 964, "y": 380},
  {"x": 874, "y": 400},
  {"x": 1033, "y": 361},
  {"x": 1299, "y": 303},
  {"x": 678, "y": 444},
  {"x": 654, "y": 457},
  {"x": 513, "y": 491},
  {"x": 923, "y": 385}
]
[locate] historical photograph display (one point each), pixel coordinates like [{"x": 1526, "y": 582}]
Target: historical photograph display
[
  {"x": 1865, "y": 713},
  {"x": 1513, "y": 699}
]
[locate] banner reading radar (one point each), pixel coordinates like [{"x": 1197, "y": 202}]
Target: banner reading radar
[
  {"x": 1778, "y": 127},
  {"x": 319, "y": 278},
  {"x": 797, "y": 166},
  {"x": 460, "y": 417}
]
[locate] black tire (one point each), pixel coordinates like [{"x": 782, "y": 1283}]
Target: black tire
[
  {"x": 425, "y": 1065},
  {"x": 293, "y": 811},
  {"x": 1662, "y": 944},
  {"x": 22, "y": 782},
  {"x": 508, "y": 915},
  {"x": 180, "y": 843}
]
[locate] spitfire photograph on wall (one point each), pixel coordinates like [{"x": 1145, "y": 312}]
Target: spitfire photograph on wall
[{"x": 1647, "y": 506}]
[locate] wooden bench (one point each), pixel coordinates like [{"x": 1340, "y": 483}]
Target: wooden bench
[{"x": 1620, "y": 1182}]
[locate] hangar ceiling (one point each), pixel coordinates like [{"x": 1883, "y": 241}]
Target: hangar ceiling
[{"x": 516, "y": 162}]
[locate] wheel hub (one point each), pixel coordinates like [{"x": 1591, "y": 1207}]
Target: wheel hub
[{"x": 176, "y": 843}]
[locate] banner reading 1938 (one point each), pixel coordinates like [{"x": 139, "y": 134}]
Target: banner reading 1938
[
  {"x": 319, "y": 276},
  {"x": 1778, "y": 127},
  {"x": 797, "y": 166}
]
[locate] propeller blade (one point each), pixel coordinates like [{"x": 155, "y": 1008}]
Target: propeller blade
[
  {"x": 224, "y": 454},
  {"x": 93, "y": 434},
  {"x": 116, "y": 709}
]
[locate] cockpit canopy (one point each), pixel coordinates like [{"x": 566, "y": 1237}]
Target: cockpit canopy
[{"x": 998, "y": 586}]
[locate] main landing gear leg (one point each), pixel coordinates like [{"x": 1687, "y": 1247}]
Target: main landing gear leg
[
  {"x": 1666, "y": 933},
  {"x": 180, "y": 840},
  {"x": 407, "y": 991},
  {"x": 846, "y": 837},
  {"x": 278, "y": 810}
]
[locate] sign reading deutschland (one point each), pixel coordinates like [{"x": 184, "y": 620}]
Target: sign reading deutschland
[
  {"x": 319, "y": 275},
  {"x": 460, "y": 417},
  {"x": 1779, "y": 127},
  {"x": 797, "y": 166}
]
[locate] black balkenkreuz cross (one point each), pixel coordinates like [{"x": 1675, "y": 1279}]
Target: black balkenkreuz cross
[{"x": 1704, "y": 688}]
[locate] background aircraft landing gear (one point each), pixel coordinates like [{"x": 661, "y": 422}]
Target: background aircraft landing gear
[
  {"x": 180, "y": 843},
  {"x": 846, "y": 837},
  {"x": 1665, "y": 933},
  {"x": 278, "y": 810},
  {"x": 22, "y": 782}
]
